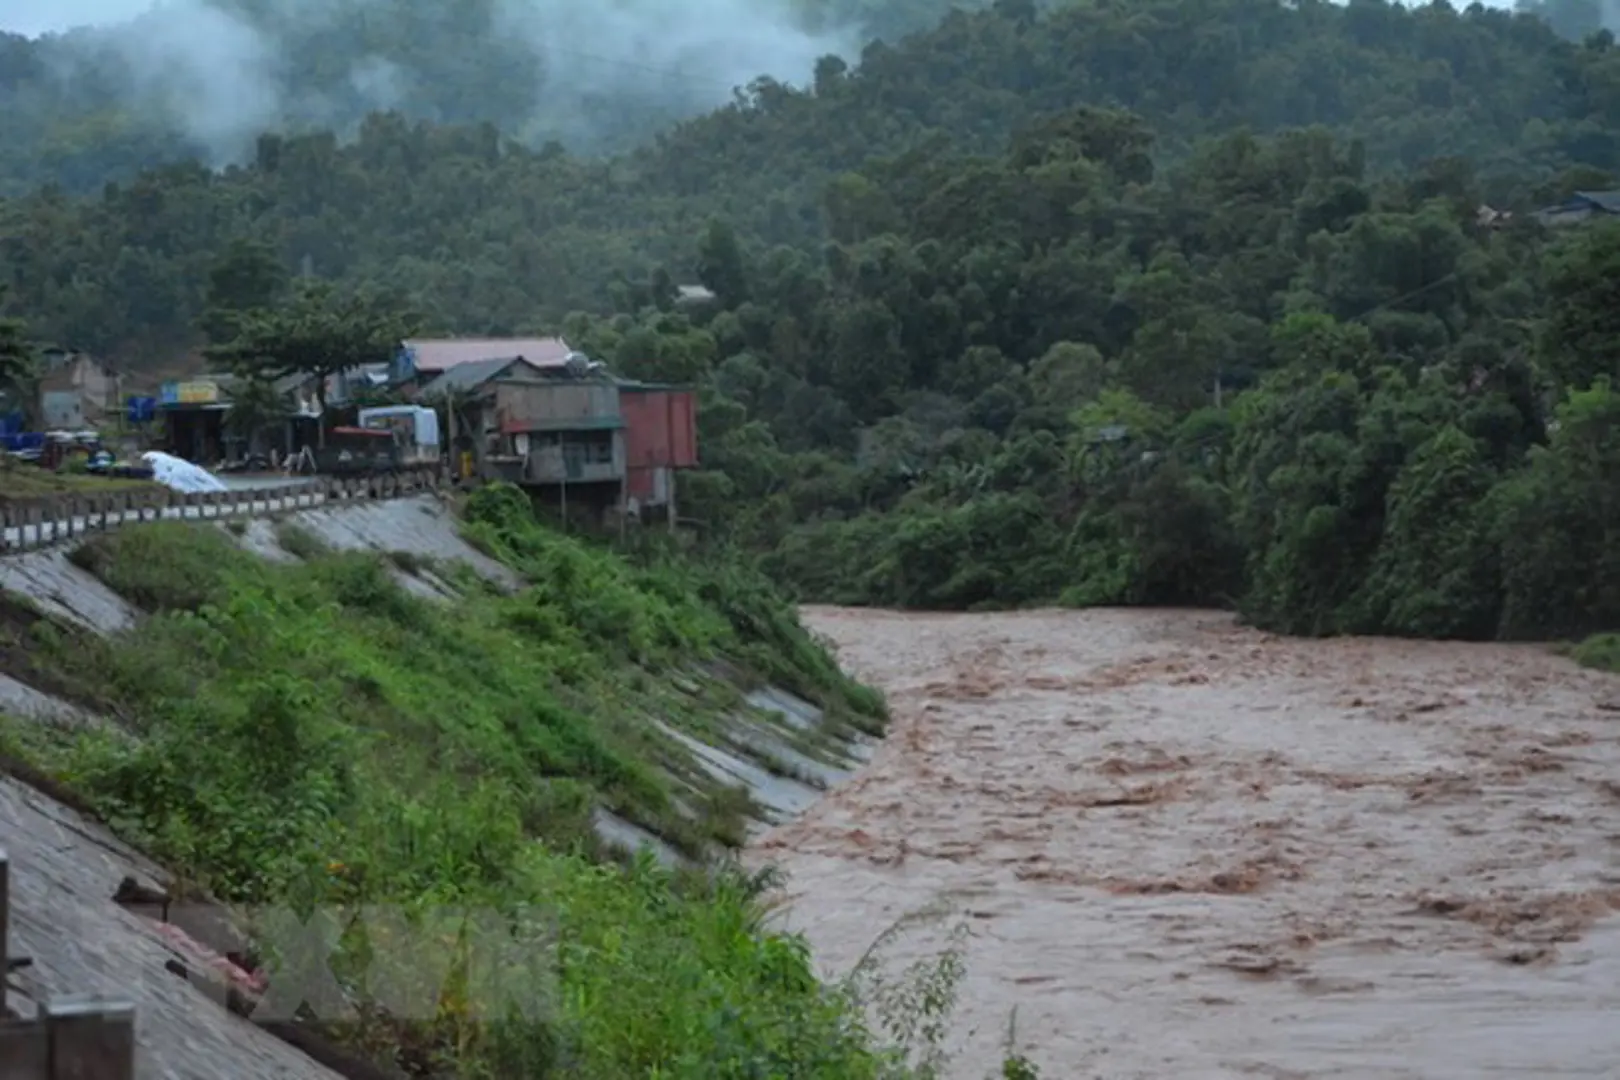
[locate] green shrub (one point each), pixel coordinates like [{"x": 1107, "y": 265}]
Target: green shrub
[
  {"x": 668, "y": 609},
  {"x": 1601, "y": 651},
  {"x": 312, "y": 733},
  {"x": 166, "y": 566}
]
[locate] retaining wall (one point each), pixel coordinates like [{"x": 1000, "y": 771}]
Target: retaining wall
[
  {"x": 44, "y": 520},
  {"x": 65, "y": 1038}
]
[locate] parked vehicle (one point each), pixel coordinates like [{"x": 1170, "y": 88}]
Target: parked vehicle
[
  {"x": 60, "y": 447},
  {"x": 417, "y": 429},
  {"x": 358, "y": 451}
]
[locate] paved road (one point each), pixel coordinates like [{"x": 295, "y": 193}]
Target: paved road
[{"x": 259, "y": 481}]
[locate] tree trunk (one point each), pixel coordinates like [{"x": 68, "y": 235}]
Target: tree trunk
[{"x": 320, "y": 411}]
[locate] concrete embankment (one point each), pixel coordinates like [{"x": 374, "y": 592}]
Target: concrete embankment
[{"x": 67, "y": 866}]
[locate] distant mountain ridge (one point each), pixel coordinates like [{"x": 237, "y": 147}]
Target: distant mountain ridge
[
  {"x": 203, "y": 78},
  {"x": 500, "y": 236}
]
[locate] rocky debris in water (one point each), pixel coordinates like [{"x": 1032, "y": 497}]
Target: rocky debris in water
[
  {"x": 1256, "y": 962},
  {"x": 1250, "y": 876},
  {"x": 1524, "y": 928},
  {"x": 1154, "y": 760}
]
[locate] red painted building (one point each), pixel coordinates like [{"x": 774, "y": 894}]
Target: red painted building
[
  {"x": 660, "y": 436},
  {"x": 583, "y": 439}
]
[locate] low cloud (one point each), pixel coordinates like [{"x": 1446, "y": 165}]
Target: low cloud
[{"x": 564, "y": 68}]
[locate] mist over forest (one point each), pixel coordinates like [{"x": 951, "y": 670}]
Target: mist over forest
[
  {"x": 204, "y": 78},
  {"x": 117, "y": 85},
  {"x": 1292, "y": 250}
]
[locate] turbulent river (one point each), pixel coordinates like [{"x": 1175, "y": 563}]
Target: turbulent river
[{"x": 1186, "y": 849}]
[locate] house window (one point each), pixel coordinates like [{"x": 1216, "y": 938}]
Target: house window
[
  {"x": 589, "y": 447},
  {"x": 578, "y": 447}
]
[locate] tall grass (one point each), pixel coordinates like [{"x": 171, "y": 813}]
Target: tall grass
[
  {"x": 311, "y": 734},
  {"x": 715, "y": 607}
]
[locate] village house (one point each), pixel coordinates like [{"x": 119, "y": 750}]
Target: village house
[
  {"x": 1581, "y": 208},
  {"x": 77, "y": 392},
  {"x": 196, "y": 412},
  {"x": 540, "y": 415},
  {"x": 419, "y": 360},
  {"x": 192, "y": 417}
]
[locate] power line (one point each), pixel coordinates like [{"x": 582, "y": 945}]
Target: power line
[{"x": 1435, "y": 284}]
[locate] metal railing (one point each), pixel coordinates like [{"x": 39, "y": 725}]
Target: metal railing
[{"x": 26, "y": 524}]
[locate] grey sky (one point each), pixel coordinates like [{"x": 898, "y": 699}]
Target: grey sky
[{"x": 34, "y": 17}]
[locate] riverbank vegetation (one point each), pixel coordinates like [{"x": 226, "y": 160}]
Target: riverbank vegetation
[
  {"x": 311, "y": 734},
  {"x": 1601, "y": 651}
]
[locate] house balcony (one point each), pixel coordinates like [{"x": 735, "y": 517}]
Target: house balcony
[{"x": 554, "y": 469}]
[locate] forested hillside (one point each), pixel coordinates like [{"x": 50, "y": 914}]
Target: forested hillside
[
  {"x": 201, "y": 78},
  {"x": 495, "y": 237},
  {"x": 1138, "y": 302}
]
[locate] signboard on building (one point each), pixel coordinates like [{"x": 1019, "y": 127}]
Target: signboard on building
[
  {"x": 141, "y": 410},
  {"x": 200, "y": 392}
]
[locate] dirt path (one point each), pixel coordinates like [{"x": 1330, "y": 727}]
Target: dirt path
[{"x": 1191, "y": 850}]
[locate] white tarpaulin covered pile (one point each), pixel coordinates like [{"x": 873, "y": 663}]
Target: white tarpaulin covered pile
[{"x": 173, "y": 472}]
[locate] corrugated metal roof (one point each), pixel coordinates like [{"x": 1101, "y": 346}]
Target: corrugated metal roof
[
  {"x": 634, "y": 385},
  {"x": 1608, "y": 201},
  {"x": 474, "y": 373},
  {"x": 444, "y": 354}
]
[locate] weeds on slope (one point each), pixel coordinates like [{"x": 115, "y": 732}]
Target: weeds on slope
[
  {"x": 339, "y": 702},
  {"x": 716, "y": 608},
  {"x": 312, "y": 736}
]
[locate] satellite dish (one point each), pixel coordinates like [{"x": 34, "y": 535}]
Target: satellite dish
[{"x": 579, "y": 366}]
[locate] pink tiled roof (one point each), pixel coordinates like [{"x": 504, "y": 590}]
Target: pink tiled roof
[{"x": 447, "y": 353}]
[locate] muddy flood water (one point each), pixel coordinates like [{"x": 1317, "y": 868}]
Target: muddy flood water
[{"x": 1185, "y": 849}]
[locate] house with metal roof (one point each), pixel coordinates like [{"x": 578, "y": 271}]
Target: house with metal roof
[
  {"x": 420, "y": 360},
  {"x": 564, "y": 428},
  {"x": 1580, "y": 208},
  {"x": 470, "y": 377}
]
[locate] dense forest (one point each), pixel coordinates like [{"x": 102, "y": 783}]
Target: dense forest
[
  {"x": 201, "y": 78},
  {"x": 1110, "y": 302}
]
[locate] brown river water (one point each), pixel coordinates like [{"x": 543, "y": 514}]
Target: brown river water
[{"x": 1184, "y": 849}]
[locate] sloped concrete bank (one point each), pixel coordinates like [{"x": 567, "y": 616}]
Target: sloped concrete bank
[
  {"x": 762, "y": 750},
  {"x": 65, "y": 868},
  {"x": 770, "y": 747}
]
